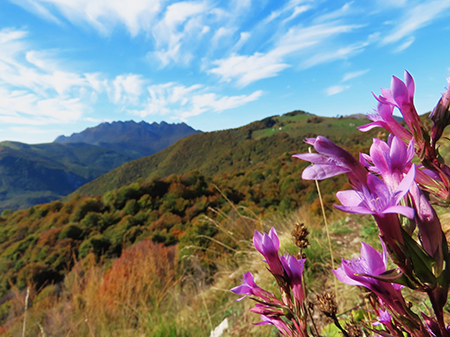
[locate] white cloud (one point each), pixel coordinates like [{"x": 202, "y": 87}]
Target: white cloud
[
  {"x": 221, "y": 33},
  {"x": 354, "y": 74},
  {"x": 337, "y": 14},
  {"x": 299, "y": 37},
  {"x": 415, "y": 18},
  {"x": 180, "y": 26},
  {"x": 127, "y": 88},
  {"x": 37, "y": 89},
  {"x": 339, "y": 54},
  {"x": 24, "y": 108},
  {"x": 297, "y": 11},
  {"x": 405, "y": 45},
  {"x": 243, "y": 38},
  {"x": 336, "y": 89},
  {"x": 292, "y": 4},
  {"x": 183, "y": 102},
  {"x": 135, "y": 15},
  {"x": 33, "y": 90},
  {"x": 246, "y": 69}
]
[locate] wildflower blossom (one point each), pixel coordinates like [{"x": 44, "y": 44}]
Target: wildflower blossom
[
  {"x": 249, "y": 287},
  {"x": 361, "y": 271},
  {"x": 440, "y": 116},
  {"x": 268, "y": 245},
  {"x": 384, "y": 317},
  {"x": 383, "y": 118},
  {"x": 282, "y": 326},
  {"x": 294, "y": 270},
  {"x": 331, "y": 160}
]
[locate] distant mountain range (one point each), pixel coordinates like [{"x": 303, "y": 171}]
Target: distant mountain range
[
  {"x": 131, "y": 138},
  {"x": 33, "y": 174}
]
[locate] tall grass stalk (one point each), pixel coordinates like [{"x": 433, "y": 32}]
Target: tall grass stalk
[
  {"x": 24, "y": 326},
  {"x": 328, "y": 235}
]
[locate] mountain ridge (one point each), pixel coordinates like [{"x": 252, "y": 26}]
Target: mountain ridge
[{"x": 143, "y": 137}]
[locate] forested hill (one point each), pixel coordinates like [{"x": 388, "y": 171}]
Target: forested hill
[{"x": 234, "y": 149}]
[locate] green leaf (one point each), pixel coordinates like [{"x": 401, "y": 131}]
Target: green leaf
[{"x": 422, "y": 262}]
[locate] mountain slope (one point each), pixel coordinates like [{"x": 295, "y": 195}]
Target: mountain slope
[
  {"x": 230, "y": 150},
  {"x": 33, "y": 174},
  {"x": 131, "y": 138}
]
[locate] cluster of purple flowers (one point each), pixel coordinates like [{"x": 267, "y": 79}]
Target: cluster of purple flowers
[
  {"x": 288, "y": 271},
  {"x": 388, "y": 186}
]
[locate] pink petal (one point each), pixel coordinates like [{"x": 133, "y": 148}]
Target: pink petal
[
  {"x": 349, "y": 198},
  {"x": 409, "y": 84},
  {"x": 320, "y": 172}
]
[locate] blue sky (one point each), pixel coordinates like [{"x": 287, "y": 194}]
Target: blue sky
[{"x": 70, "y": 64}]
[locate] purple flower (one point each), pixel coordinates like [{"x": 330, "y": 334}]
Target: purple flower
[
  {"x": 267, "y": 310},
  {"x": 282, "y": 326},
  {"x": 401, "y": 95},
  {"x": 294, "y": 270},
  {"x": 358, "y": 272},
  {"x": 441, "y": 116},
  {"x": 376, "y": 198},
  {"x": 430, "y": 229},
  {"x": 268, "y": 245},
  {"x": 391, "y": 160},
  {"x": 331, "y": 160},
  {"x": 249, "y": 287},
  {"x": 383, "y": 117},
  {"x": 432, "y": 326},
  {"x": 384, "y": 317}
]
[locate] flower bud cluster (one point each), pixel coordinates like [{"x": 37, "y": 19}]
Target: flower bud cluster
[{"x": 287, "y": 314}]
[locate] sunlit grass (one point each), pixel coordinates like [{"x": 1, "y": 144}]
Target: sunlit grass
[{"x": 144, "y": 294}]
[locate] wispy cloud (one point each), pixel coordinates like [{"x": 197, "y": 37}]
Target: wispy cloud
[
  {"x": 127, "y": 88},
  {"x": 34, "y": 90},
  {"x": 405, "y": 44},
  {"x": 336, "y": 89},
  {"x": 337, "y": 14},
  {"x": 135, "y": 15},
  {"x": 182, "y": 102},
  {"x": 417, "y": 17},
  {"x": 182, "y": 24},
  {"x": 246, "y": 69},
  {"x": 339, "y": 54},
  {"x": 296, "y": 12},
  {"x": 354, "y": 74}
]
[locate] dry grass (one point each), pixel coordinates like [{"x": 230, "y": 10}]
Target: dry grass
[{"x": 143, "y": 294}]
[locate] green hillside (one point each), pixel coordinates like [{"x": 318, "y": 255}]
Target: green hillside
[{"x": 226, "y": 151}]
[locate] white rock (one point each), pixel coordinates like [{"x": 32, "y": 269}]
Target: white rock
[{"x": 218, "y": 331}]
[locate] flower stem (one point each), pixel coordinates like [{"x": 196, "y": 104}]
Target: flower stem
[{"x": 328, "y": 232}]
